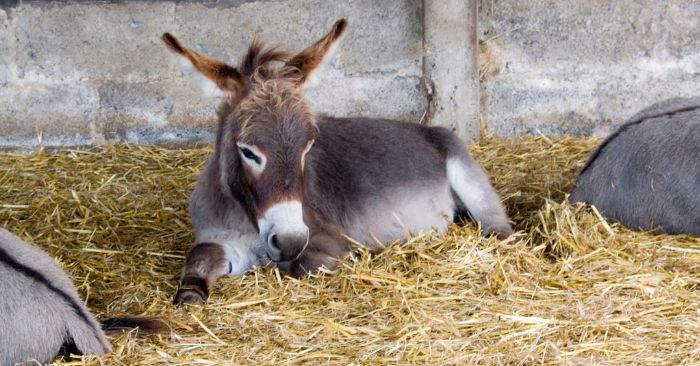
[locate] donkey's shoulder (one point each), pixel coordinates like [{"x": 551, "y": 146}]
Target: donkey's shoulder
[
  {"x": 665, "y": 108},
  {"x": 668, "y": 119}
]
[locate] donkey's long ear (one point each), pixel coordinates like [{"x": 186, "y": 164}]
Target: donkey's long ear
[
  {"x": 313, "y": 56},
  {"x": 213, "y": 76}
]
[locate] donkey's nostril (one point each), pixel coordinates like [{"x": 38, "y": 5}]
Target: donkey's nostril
[
  {"x": 274, "y": 242},
  {"x": 285, "y": 246}
]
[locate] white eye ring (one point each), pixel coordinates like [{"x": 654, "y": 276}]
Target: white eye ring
[{"x": 252, "y": 157}]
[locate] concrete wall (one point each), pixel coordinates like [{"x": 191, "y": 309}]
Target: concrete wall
[
  {"x": 450, "y": 65},
  {"x": 582, "y": 67},
  {"x": 75, "y": 73},
  {"x": 86, "y": 72}
]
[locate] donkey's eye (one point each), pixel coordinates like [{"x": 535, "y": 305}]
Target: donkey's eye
[{"x": 250, "y": 155}]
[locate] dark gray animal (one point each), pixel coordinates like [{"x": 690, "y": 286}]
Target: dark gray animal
[
  {"x": 286, "y": 185},
  {"x": 646, "y": 175},
  {"x": 40, "y": 311}
]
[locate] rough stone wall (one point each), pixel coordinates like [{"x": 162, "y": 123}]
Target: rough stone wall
[
  {"x": 87, "y": 72},
  {"x": 583, "y": 67},
  {"x": 78, "y": 73}
]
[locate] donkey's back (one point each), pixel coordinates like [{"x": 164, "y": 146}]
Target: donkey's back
[
  {"x": 382, "y": 179},
  {"x": 647, "y": 174},
  {"x": 40, "y": 311}
]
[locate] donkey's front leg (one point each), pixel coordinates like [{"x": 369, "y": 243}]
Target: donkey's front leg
[
  {"x": 204, "y": 264},
  {"x": 216, "y": 255}
]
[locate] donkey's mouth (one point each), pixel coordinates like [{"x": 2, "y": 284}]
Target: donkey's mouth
[
  {"x": 275, "y": 260},
  {"x": 283, "y": 260},
  {"x": 285, "y": 245}
]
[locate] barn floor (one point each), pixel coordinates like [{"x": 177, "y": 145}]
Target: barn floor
[{"x": 569, "y": 289}]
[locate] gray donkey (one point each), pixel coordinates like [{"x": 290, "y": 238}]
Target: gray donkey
[
  {"x": 288, "y": 186},
  {"x": 646, "y": 175},
  {"x": 41, "y": 313}
]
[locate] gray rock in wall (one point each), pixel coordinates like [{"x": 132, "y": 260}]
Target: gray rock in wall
[
  {"x": 565, "y": 67},
  {"x": 76, "y": 73}
]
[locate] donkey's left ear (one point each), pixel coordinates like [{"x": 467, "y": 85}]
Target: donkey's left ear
[
  {"x": 313, "y": 56},
  {"x": 214, "y": 77}
]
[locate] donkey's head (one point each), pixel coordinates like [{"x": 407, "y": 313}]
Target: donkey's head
[{"x": 266, "y": 130}]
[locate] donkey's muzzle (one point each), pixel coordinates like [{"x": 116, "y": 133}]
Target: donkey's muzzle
[
  {"x": 283, "y": 233},
  {"x": 286, "y": 246}
]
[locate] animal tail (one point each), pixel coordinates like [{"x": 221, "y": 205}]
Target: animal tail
[{"x": 148, "y": 325}]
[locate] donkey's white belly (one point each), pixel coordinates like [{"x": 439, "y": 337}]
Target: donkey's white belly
[{"x": 403, "y": 212}]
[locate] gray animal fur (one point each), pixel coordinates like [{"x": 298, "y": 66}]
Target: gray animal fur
[
  {"x": 40, "y": 310},
  {"x": 646, "y": 175}
]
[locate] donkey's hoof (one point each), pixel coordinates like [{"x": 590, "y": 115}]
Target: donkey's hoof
[
  {"x": 188, "y": 296},
  {"x": 502, "y": 232},
  {"x": 193, "y": 290}
]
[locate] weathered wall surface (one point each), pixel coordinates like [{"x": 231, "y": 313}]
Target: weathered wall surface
[
  {"x": 76, "y": 73},
  {"x": 582, "y": 67},
  {"x": 87, "y": 72}
]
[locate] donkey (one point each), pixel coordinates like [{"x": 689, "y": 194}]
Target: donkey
[
  {"x": 41, "y": 313},
  {"x": 287, "y": 186},
  {"x": 646, "y": 175}
]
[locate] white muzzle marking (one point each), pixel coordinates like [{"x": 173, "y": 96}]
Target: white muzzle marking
[{"x": 284, "y": 217}]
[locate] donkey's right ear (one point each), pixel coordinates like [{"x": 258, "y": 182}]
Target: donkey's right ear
[
  {"x": 313, "y": 56},
  {"x": 212, "y": 76}
]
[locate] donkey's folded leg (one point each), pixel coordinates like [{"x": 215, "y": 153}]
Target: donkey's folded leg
[
  {"x": 204, "y": 264},
  {"x": 473, "y": 188},
  {"x": 217, "y": 254}
]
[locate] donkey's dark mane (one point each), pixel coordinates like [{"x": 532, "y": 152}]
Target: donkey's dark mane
[{"x": 259, "y": 55}]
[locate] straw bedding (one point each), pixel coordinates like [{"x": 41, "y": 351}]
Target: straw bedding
[{"x": 569, "y": 289}]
